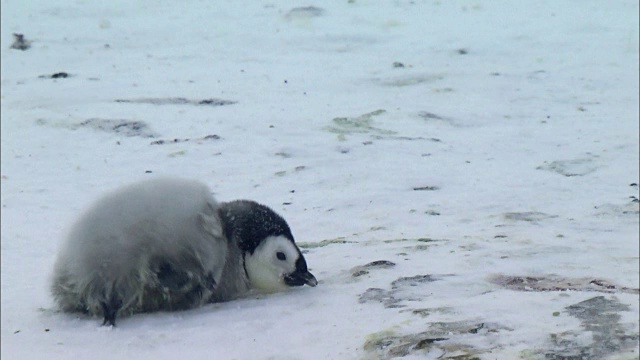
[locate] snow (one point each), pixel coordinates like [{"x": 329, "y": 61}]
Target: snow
[{"x": 516, "y": 123}]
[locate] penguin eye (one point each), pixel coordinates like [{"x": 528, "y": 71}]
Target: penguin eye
[{"x": 281, "y": 256}]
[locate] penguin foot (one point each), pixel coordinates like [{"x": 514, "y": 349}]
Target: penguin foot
[
  {"x": 210, "y": 282},
  {"x": 110, "y": 311}
]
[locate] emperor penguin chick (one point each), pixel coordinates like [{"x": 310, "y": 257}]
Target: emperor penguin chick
[{"x": 166, "y": 244}]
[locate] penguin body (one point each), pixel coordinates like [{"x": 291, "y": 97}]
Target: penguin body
[{"x": 167, "y": 244}]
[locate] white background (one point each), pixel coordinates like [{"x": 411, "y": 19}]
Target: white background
[{"x": 522, "y": 115}]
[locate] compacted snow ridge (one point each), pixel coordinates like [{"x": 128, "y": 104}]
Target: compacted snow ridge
[{"x": 462, "y": 176}]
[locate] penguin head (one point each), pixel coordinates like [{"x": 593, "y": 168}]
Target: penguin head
[
  {"x": 272, "y": 260},
  {"x": 277, "y": 264}
]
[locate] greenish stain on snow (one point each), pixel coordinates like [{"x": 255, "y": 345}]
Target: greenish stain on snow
[
  {"x": 323, "y": 243},
  {"x": 363, "y": 124}
]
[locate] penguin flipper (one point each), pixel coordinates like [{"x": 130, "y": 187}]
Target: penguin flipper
[
  {"x": 177, "y": 280},
  {"x": 171, "y": 278}
]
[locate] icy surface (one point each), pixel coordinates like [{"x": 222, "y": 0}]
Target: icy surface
[{"x": 463, "y": 175}]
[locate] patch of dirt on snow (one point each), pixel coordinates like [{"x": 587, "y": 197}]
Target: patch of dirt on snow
[
  {"x": 364, "y": 269},
  {"x": 176, "y": 141},
  {"x": 631, "y": 208},
  {"x": 295, "y": 170},
  {"x": 323, "y": 243},
  {"x": 177, "y": 101},
  {"x": 410, "y": 80},
  {"x": 569, "y": 168},
  {"x": 530, "y": 216},
  {"x": 118, "y": 126},
  {"x": 304, "y": 12},
  {"x": 362, "y": 124},
  {"x": 20, "y": 42},
  {"x": 401, "y": 290},
  {"x": 557, "y": 283},
  {"x": 442, "y": 340},
  {"x": 435, "y": 119},
  {"x": 599, "y": 316},
  {"x": 58, "y": 75}
]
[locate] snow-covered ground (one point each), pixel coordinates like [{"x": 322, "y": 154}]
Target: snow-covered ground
[{"x": 463, "y": 175}]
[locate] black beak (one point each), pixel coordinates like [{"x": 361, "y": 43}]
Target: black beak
[{"x": 301, "y": 276}]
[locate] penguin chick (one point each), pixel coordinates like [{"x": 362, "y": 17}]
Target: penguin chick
[{"x": 165, "y": 245}]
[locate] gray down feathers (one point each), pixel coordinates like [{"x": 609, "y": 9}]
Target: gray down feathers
[{"x": 155, "y": 245}]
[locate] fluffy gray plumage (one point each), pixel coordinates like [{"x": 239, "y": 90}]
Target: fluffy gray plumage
[{"x": 166, "y": 244}]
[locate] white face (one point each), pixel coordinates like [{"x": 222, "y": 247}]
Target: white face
[{"x": 270, "y": 262}]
